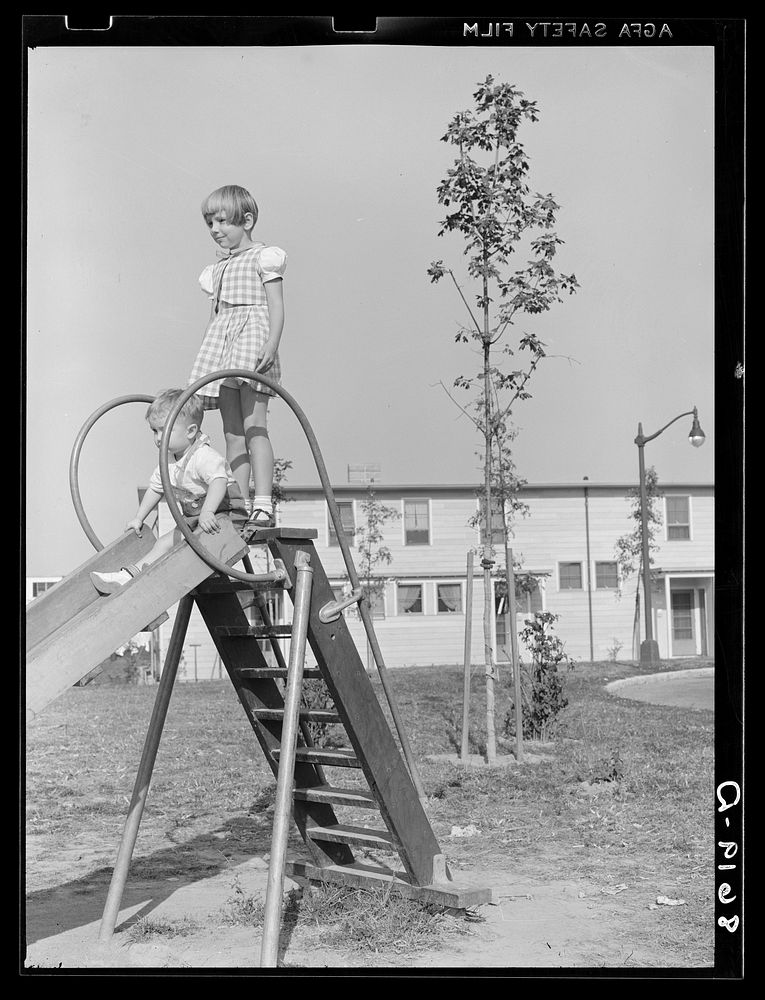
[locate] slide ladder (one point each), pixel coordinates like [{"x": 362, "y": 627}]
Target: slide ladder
[
  {"x": 71, "y": 630},
  {"x": 377, "y": 777}
]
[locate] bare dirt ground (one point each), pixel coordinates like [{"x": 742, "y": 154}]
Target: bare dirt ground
[
  {"x": 552, "y": 908},
  {"x": 543, "y": 915},
  {"x": 532, "y": 923}
]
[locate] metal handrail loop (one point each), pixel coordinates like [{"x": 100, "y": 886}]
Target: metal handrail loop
[
  {"x": 277, "y": 575},
  {"x": 74, "y": 461}
]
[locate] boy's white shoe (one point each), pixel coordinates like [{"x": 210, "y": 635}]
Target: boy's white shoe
[{"x": 108, "y": 583}]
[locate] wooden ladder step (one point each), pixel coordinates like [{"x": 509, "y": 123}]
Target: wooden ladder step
[
  {"x": 254, "y": 631},
  {"x": 324, "y": 715},
  {"x": 335, "y": 795},
  {"x": 263, "y": 673},
  {"x": 458, "y": 894},
  {"x": 340, "y": 833},
  {"x": 337, "y": 757}
]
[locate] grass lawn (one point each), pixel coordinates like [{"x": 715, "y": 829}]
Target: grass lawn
[{"x": 622, "y": 796}]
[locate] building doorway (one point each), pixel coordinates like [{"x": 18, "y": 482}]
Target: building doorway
[{"x": 683, "y": 623}]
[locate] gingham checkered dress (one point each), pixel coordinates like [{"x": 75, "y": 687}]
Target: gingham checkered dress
[{"x": 239, "y": 326}]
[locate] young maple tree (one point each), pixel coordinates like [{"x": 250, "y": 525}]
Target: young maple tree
[
  {"x": 490, "y": 204},
  {"x": 373, "y": 553},
  {"x": 629, "y": 547}
]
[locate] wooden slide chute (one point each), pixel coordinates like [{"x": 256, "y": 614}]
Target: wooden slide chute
[{"x": 71, "y": 628}]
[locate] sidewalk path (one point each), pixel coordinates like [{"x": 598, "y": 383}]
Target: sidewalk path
[{"x": 681, "y": 688}]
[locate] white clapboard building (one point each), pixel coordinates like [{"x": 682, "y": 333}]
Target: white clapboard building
[{"x": 565, "y": 547}]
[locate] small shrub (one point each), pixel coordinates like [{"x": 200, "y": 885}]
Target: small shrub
[
  {"x": 441, "y": 789},
  {"x": 123, "y": 667},
  {"x": 452, "y": 729},
  {"x": 607, "y": 767},
  {"x": 613, "y": 651},
  {"x": 147, "y": 928},
  {"x": 541, "y": 682},
  {"x": 375, "y": 920},
  {"x": 242, "y": 909}
]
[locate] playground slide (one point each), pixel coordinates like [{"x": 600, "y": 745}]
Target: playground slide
[{"x": 71, "y": 628}]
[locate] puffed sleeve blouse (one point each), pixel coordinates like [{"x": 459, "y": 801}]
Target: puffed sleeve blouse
[{"x": 240, "y": 275}]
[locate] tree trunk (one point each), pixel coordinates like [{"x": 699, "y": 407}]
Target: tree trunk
[
  {"x": 514, "y": 657},
  {"x": 487, "y": 561}
]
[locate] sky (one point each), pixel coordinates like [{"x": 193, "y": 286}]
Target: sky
[{"x": 340, "y": 145}]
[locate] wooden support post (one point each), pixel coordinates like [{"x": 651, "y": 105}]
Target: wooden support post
[
  {"x": 468, "y": 658},
  {"x": 517, "y": 695},
  {"x": 284, "y": 784},
  {"x": 143, "y": 779}
]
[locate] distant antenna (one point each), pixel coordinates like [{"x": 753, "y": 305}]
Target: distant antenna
[{"x": 364, "y": 472}]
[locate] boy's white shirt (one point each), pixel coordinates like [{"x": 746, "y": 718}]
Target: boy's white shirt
[{"x": 197, "y": 472}]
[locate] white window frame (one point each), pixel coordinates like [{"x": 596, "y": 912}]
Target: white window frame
[
  {"x": 609, "y": 562},
  {"x": 328, "y": 522},
  {"x": 688, "y": 497},
  {"x": 342, "y": 589},
  {"x": 416, "y": 545},
  {"x": 540, "y": 589},
  {"x": 384, "y": 598},
  {"x": 494, "y": 531},
  {"x": 32, "y": 580},
  {"x": 571, "y": 562},
  {"x": 449, "y": 583},
  {"x": 422, "y": 584}
]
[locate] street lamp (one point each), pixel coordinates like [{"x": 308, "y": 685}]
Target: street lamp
[{"x": 649, "y": 648}]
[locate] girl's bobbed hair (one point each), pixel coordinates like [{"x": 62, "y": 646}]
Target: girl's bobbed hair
[{"x": 235, "y": 201}]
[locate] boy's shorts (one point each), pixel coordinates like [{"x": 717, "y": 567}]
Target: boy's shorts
[{"x": 191, "y": 504}]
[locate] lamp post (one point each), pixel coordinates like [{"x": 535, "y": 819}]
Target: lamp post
[{"x": 649, "y": 648}]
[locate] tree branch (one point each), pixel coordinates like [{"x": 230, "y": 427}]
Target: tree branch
[
  {"x": 459, "y": 407},
  {"x": 504, "y": 326},
  {"x": 470, "y": 311},
  {"x": 527, "y": 376}
]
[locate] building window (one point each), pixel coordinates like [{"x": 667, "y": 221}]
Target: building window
[
  {"x": 528, "y": 598},
  {"x": 497, "y": 521},
  {"x": 40, "y": 586},
  {"x": 570, "y": 576},
  {"x": 416, "y": 522},
  {"x": 374, "y": 594},
  {"x": 528, "y": 595},
  {"x": 409, "y": 598},
  {"x": 606, "y": 576},
  {"x": 345, "y": 509},
  {"x": 376, "y": 601},
  {"x": 678, "y": 518},
  {"x": 448, "y": 598}
]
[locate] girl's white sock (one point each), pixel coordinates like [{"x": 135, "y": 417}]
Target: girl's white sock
[{"x": 263, "y": 503}]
